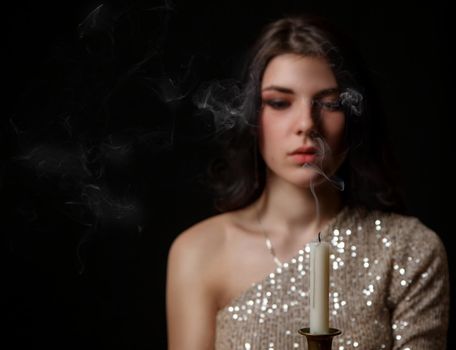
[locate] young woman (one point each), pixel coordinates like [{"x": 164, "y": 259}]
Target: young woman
[{"x": 306, "y": 156}]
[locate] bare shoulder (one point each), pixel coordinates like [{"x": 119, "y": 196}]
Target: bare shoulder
[
  {"x": 193, "y": 284},
  {"x": 198, "y": 253},
  {"x": 202, "y": 241},
  {"x": 224, "y": 255}
]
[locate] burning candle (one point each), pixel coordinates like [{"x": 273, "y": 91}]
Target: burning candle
[{"x": 319, "y": 287}]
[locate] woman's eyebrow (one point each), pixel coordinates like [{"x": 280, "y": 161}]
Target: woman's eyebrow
[
  {"x": 321, "y": 93},
  {"x": 326, "y": 92},
  {"x": 279, "y": 89}
]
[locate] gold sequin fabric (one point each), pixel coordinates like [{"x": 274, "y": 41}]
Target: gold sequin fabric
[{"x": 389, "y": 289}]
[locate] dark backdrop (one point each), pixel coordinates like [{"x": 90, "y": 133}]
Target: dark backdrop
[{"x": 104, "y": 152}]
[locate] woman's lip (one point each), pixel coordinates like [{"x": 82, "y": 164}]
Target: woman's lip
[
  {"x": 301, "y": 158},
  {"x": 304, "y": 149}
]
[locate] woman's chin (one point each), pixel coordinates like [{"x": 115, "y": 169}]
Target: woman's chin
[
  {"x": 311, "y": 182},
  {"x": 308, "y": 180},
  {"x": 305, "y": 177},
  {"x": 312, "y": 176}
]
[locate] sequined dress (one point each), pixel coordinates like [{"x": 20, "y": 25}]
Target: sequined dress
[{"x": 389, "y": 289}]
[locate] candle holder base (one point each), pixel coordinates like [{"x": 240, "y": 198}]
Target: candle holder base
[{"x": 319, "y": 341}]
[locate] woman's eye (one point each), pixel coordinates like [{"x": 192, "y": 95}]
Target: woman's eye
[
  {"x": 277, "y": 104},
  {"x": 328, "y": 105}
]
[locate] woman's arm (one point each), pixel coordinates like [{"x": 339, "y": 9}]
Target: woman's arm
[
  {"x": 190, "y": 299},
  {"x": 420, "y": 291}
]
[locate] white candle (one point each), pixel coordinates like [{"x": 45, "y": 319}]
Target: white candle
[{"x": 319, "y": 287}]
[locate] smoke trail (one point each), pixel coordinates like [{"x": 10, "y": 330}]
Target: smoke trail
[
  {"x": 223, "y": 99},
  {"x": 352, "y": 100},
  {"x": 106, "y": 116},
  {"x": 317, "y": 202},
  {"x": 323, "y": 151}
]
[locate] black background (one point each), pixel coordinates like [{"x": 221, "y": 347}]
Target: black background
[{"x": 104, "y": 153}]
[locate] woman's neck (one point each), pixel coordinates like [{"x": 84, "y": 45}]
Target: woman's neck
[{"x": 294, "y": 209}]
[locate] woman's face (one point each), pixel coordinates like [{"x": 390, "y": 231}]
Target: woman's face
[{"x": 301, "y": 123}]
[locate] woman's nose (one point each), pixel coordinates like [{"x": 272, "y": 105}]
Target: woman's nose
[{"x": 305, "y": 121}]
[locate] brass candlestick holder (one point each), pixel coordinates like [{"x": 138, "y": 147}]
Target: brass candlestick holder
[{"x": 319, "y": 341}]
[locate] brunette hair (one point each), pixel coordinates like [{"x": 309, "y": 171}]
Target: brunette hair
[{"x": 239, "y": 176}]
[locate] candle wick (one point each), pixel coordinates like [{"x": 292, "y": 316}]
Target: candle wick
[{"x": 319, "y": 238}]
